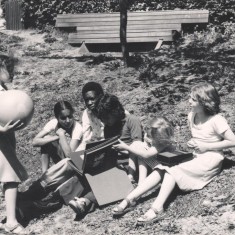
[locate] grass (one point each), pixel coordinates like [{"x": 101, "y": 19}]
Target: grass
[{"x": 157, "y": 83}]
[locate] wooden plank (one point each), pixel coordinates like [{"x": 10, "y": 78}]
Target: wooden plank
[
  {"x": 130, "y": 19},
  {"x": 134, "y": 14},
  {"x": 117, "y": 40},
  {"x": 117, "y": 30},
  {"x": 116, "y": 35},
  {"x": 131, "y": 27},
  {"x": 137, "y": 22}
]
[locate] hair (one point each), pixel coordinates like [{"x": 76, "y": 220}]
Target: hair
[
  {"x": 92, "y": 86},
  {"x": 162, "y": 127},
  {"x": 62, "y": 105},
  {"x": 208, "y": 97},
  {"x": 8, "y": 61},
  {"x": 110, "y": 104}
]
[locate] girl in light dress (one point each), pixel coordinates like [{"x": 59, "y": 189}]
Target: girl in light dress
[
  {"x": 11, "y": 170},
  {"x": 210, "y": 135}
]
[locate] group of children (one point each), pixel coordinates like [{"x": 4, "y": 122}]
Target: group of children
[{"x": 210, "y": 135}]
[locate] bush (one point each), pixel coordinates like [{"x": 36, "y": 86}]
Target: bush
[{"x": 38, "y": 14}]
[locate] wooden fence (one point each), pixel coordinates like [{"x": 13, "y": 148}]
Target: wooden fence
[{"x": 13, "y": 13}]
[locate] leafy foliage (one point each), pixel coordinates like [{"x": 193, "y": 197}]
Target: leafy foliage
[{"x": 43, "y": 12}]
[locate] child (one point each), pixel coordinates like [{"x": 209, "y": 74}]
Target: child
[
  {"x": 93, "y": 128},
  {"x": 116, "y": 122},
  {"x": 11, "y": 170},
  {"x": 60, "y": 136},
  {"x": 210, "y": 134},
  {"x": 161, "y": 135}
]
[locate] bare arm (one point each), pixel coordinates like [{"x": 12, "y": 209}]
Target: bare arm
[
  {"x": 10, "y": 126},
  {"x": 74, "y": 144},
  {"x": 67, "y": 147},
  {"x": 43, "y": 138},
  {"x": 63, "y": 142},
  {"x": 134, "y": 148},
  {"x": 227, "y": 142}
]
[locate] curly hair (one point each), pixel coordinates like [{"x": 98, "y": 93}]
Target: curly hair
[
  {"x": 162, "y": 128},
  {"x": 92, "y": 86},
  {"x": 109, "y": 104},
  {"x": 208, "y": 97}
]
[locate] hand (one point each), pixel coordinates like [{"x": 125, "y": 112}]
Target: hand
[
  {"x": 60, "y": 132},
  {"x": 197, "y": 146},
  {"x": 201, "y": 147},
  {"x": 121, "y": 146},
  {"x": 192, "y": 143},
  {"x": 11, "y": 126}
]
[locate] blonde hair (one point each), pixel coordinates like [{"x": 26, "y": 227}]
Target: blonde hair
[{"x": 161, "y": 128}]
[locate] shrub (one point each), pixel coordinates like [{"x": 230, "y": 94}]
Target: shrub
[{"x": 43, "y": 12}]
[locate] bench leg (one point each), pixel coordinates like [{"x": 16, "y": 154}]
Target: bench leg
[
  {"x": 83, "y": 49},
  {"x": 159, "y": 43}
]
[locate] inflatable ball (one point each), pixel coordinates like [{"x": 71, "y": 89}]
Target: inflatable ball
[{"x": 15, "y": 105}]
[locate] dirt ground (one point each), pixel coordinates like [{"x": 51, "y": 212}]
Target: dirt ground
[{"x": 53, "y": 71}]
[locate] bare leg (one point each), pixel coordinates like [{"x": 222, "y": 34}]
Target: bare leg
[
  {"x": 132, "y": 167},
  {"x": 168, "y": 184},
  {"x": 143, "y": 171},
  {"x": 10, "y": 197},
  {"x": 150, "y": 182},
  {"x": 45, "y": 159}
]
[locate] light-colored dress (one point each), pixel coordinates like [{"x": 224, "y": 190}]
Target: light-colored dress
[
  {"x": 11, "y": 170},
  {"x": 198, "y": 172}
]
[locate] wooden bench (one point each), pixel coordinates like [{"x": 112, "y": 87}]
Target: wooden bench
[{"x": 152, "y": 26}]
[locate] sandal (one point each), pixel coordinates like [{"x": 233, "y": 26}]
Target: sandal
[
  {"x": 17, "y": 229},
  {"x": 119, "y": 211},
  {"x": 78, "y": 205},
  {"x": 146, "y": 219},
  {"x": 2, "y": 226}
]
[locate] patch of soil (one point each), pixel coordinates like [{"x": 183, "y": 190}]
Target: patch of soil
[{"x": 53, "y": 71}]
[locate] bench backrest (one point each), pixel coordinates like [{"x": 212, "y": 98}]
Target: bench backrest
[
  {"x": 160, "y": 18},
  {"x": 141, "y": 26}
]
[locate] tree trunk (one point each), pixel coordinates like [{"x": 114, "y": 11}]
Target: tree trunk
[{"x": 123, "y": 26}]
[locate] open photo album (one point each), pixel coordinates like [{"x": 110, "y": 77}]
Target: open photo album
[{"x": 92, "y": 155}]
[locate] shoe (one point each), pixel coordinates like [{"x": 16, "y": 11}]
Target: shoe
[
  {"x": 78, "y": 205},
  {"x": 2, "y": 226},
  {"x": 17, "y": 229},
  {"x": 146, "y": 219},
  {"x": 51, "y": 201},
  {"x": 34, "y": 192},
  {"x": 119, "y": 211}
]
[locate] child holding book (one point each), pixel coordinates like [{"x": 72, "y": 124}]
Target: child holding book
[{"x": 161, "y": 135}]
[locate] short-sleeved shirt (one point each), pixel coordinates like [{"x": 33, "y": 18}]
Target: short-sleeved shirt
[
  {"x": 130, "y": 128},
  {"x": 92, "y": 127},
  {"x": 210, "y": 131},
  {"x": 75, "y": 132}
]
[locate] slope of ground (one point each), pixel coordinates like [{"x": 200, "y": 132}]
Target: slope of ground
[{"x": 53, "y": 71}]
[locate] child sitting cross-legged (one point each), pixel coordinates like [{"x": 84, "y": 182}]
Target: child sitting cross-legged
[{"x": 161, "y": 134}]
